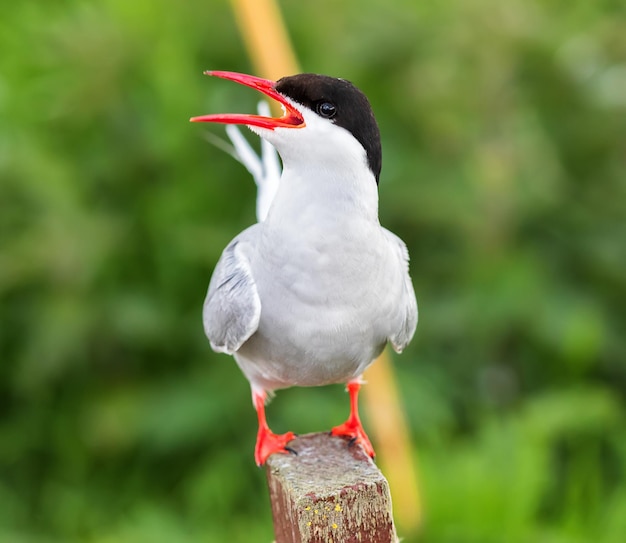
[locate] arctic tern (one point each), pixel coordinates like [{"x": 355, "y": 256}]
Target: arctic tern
[{"x": 311, "y": 295}]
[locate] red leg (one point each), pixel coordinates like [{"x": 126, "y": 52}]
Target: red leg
[
  {"x": 353, "y": 427},
  {"x": 267, "y": 442}
]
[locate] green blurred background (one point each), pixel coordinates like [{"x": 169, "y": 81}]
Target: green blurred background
[{"x": 504, "y": 136}]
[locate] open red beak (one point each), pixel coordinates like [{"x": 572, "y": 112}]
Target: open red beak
[{"x": 291, "y": 119}]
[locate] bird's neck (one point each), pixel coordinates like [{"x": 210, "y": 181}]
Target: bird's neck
[{"x": 318, "y": 192}]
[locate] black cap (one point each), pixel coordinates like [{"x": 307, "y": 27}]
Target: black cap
[{"x": 341, "y": 102}]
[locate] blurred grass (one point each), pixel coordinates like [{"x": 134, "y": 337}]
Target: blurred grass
[{"x": 504, "y": 129}]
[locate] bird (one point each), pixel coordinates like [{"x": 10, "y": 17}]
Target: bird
[{"x": 312, "y": 294}]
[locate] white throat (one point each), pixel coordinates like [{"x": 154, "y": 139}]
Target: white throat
[{"x": 325, "y": 172}]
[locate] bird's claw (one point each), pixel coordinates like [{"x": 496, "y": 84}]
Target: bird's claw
[
  {"x": 354, "y": 433},
  {"x": 269, "y": 443}
]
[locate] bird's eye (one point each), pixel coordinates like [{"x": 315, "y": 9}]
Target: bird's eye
[{"x": 326, "y": 110}]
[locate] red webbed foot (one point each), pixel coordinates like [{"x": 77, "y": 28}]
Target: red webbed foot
[
  {"x": 353, "y": 428},
  {"x": 356, "y": 434},
  {"x": 267, "y": 442}
]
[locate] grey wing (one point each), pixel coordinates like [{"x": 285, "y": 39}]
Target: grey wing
[
  {"x": 407, "y": 305},
  {"x": 232, "y": 308}
]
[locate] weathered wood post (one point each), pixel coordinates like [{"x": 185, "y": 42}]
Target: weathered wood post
[{"x": 329, "y": 492}]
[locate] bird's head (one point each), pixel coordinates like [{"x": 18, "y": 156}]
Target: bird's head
[{"x": 326, "y": 120}]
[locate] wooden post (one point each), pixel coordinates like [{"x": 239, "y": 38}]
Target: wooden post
[{"x": 329, "y": 492}]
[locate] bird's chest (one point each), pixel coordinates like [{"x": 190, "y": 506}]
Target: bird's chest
[
  {"x": 308, "y": 266},
  {"x": 320, "y": 312},
  {"x": 319, "y": 299}
]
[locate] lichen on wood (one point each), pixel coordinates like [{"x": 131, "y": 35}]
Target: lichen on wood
[{"x": 329, "y": 492}]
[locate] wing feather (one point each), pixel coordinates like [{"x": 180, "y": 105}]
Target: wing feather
[
  {"x": 407, "y": 310},
  {"x": 232, "y": 307}
]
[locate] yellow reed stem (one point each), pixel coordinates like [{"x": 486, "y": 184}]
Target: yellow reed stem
[{"x": 266, "y": 38}]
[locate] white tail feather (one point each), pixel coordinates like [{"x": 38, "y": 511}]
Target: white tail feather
[{"x": 266, "y": 169}]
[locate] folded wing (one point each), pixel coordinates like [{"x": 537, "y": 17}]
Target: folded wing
[
  {"x": 407, "y": 305},
  {"x": 232, "y": 307}
]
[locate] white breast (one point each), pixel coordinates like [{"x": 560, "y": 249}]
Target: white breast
[{"x": 328, "y": 281}]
